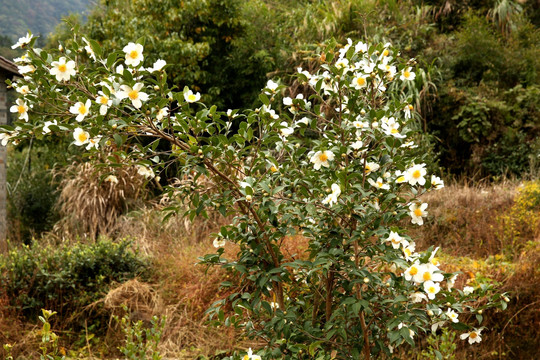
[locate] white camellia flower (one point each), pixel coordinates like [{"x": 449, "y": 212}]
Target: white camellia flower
[
  {"x": 285, "y": 130},
  {"x": 63, "y": 70},
  {"x": 23, "y": 41},
  {"x": 111, "y": 179},
  {"x": 408, "y": 251},
  {"x": 272, "y": 86},
  {"x": 418, "y": 297},
  {"x": 467, "y": 290},
  {"x": 22, "y": 89},
  {"x": 379, "y": 184},
  {"x": 81, "y": 137},
  {"x": 407, "y": 74},
  {"x": 451, "y": 282},
  {"x": 431, "y": 288},
  {"x": 134, "y": 54},
  {"x": 145, "y": 172},
  {"x": 360, "y": 47},
  {"x": 163, "y": 112},
  {"x": 219, "y": 243},
  {"x": 371, "y": 167},
  {"x": 392, "y": 128},
  {"x": 408, "y": 111},
  {"x": 390, "y": 70},
  {"x": 134, "y": 94},
  {"x": 89, "y": 49},
  {"x": 418, "y": 213},
  {"x": 426, "y": 272},
  {"x": 190, "y": 97},
  {"x": 437, "y": 325},
  {"x": 452, "y": 315},
  {"x": 321, "y": 158},
  {"x": 46, "y": 125},
  {"x": 331, "y": 199},
  {"x": 342, "y": 63},
  {"x": 232, "y": 113},
  {"x": 24, "y": 69},
  {"x": 359, "y": 124},
  {"x": 304, "y": 72},
  {"x": 412, "y": 272},
  {"x": 93, "y": 143},
  {"x": 104, "y": 101},
  {"x": 21, "y": 108},
  {"x": 396, "y": 240},
  {"x": 81, "y": 110},
  {"x": 158, "y": 65},
  {"x": 359, "y": 81},
  {"x": 23, "y": 59},
  {"x": 270, "y": 111},
  {"x": 250, "y": 356},
  {"x": 4, "y": 138},
  {"x": 357, "y": 144},
  {"x": 415, "y": 174},
  {"x": 474, "y": 336},
  {"x": 436, "y": 182},
  {"x": 304, "y": 121}
]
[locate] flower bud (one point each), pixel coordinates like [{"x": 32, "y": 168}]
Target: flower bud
[
  {"x": 248, "y": 198},
  {"x": 366, "y": 280},
  {"x": 430, "y": 313}
]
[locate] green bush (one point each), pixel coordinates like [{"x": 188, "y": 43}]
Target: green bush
[
  {"x": 32, "y": 188},
  {"x": 65, "y": 278}
]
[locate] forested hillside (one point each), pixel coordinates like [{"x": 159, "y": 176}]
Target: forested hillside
[{"x": 38, "y": 16}]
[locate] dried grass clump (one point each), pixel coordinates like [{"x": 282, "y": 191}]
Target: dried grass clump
[
  {"x": 94, "y": 195},
  {"x": 140, "y": 299}
]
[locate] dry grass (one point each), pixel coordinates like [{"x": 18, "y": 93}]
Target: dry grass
[
  {"x": 94, "y": 196},
  {"x": 186, "y": 290},
  {"x": 464, "y": 219}
]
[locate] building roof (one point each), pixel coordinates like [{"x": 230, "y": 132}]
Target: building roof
[{"x": 8, "y": 65}]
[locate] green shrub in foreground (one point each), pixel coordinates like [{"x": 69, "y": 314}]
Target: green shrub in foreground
[{"x": 65, "y": 278}]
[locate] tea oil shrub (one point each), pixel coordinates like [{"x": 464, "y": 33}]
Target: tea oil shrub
[{"x": 363, "y": 288}]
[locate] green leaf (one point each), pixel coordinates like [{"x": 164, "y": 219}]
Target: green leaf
[
  {"x": 111, "y": 60},
  {"x": 95, "y": 46},
  {"x": 264, "y": 99}
]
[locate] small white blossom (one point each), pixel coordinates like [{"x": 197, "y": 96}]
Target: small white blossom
[
  {"x": 81, "y": 110},
  {"x": 331, "y": 199},
  {"x": 190, "y": 97},
  {"x": 134, "y": 94},
  {"x": 23, "y": 41},
  {"x": 21, "y": 108},
  {"x": 63, "y": 70},
  {"x": 46, "y": 125},
  {"x": 474, "y": 336},
  {"x": 81, "y": 137},
  {"x": 321, "y": 158},
  {"x": 134, "y": 54}
]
